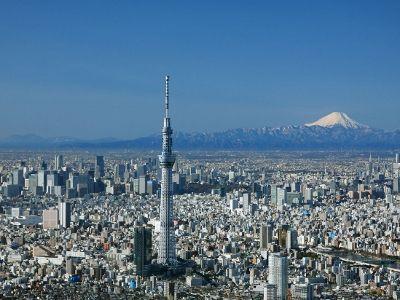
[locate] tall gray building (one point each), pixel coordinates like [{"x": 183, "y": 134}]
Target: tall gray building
[
  {"x": 143, "y": 184},
  {"x": 166, "y": 246},
  {"x": 396, "y": 184},
  {"x": 302, "y": 291},
  {"x": 274, "y": 194},
  {"x": 266, "y": 232},
  {"x": 270, "y": 292},
  {"x": 42, "y": 178},
  {"x": 142, "y": 250},
  {"x": 18, "y": 177},
  {"x": 278, "y": 274},
  {"x": 99, "y": 166},
  {"x": 58, "y": 162}
]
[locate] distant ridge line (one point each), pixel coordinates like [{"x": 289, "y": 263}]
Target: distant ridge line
[{"x": 334, "y": 131}]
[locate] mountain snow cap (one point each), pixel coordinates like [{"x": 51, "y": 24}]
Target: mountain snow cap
[{"x": 337, "y": 119}]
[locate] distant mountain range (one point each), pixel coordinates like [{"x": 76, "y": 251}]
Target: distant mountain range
[{"x": 334, "y": 131}]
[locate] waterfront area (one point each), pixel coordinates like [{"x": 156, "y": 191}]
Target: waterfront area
[{"x": 391, "y": 263}]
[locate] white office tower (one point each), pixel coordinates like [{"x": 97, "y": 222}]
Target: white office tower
[
  {"x": 50, "y": 218},
  {"x": 64, "y": 214},
  {"x": 281, "y": 198},
  {"x": 270, "y": 292},
  {"x": 278, "y": 274},
  {"x": 166, "y": 246},
  {"x": 246, "y": 202},
  {"x": 308, "y": 195}
]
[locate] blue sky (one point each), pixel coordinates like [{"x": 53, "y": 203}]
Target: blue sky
[{"x": 95, "y": 69}]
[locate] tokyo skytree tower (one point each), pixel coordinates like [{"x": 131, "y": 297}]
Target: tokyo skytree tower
[{"x": 166, "y": 247}]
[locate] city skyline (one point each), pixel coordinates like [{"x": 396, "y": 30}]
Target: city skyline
[
  {"x": 243, "y": 70},
  {"x": 275, "y": 176},
  {"x": 247, "y": 225}
]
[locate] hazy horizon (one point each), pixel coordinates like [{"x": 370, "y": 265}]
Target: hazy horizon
[{"x": 158, "y": 132}]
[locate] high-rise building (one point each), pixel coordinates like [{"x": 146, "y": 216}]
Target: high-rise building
[
  {"x": 58, "y": 162},
  {"x": 42, "y": 179},
  {"x": 166, "y": 246},
  {"x": 64, "y": 214},
  {"x": 12, "y": 190},
  {"x": 151, "y": 187},
  {"x": 135, "y": 184},
  {"x": 33, "y": 185},
  {"x": 266, "y": 232},
  {"x": 119, "y": 172},
  {"x": 370, "y": 166},
  {"x": 50, "y": 218},
  {"x": 270, "y": 292},
  {"x": 142, "y": 249},
  {"x": 16, "y": 212},
  {"x": 246, "y": 202},
  {"x": 141, "y": 170},
  {"x": 69, "y": 266},
  {"x": 53, "y": 180},
  {"x": 282, "y": 235},
  {"x": 396, "y": 184},
  {"x": 143, "y": 184},
  {"x": 43, "y": 166},
  {"x": 396, "y": 166},
  {"x": 169, "y": 290},
  {"x": 291, "y": 239},
  {"x": 274, "y": 196},
  {"x": 281, "y": 198},
  {"x": 278, "y": 274},
  {"x": 308, "y": 197},
  {"x": 295, "y": 186},
  {"x": 303, "y": 291},
  {"x": 265, "y": 190},
  {"x": 18, "y": 177},
  {"x": 99, "y": 166},
  {"x": 234, "y": 204}
]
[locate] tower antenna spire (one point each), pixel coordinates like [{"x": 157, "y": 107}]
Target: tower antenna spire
[
  {"x": 166, "y": 243},
  {"x": 167, "y": 96}
]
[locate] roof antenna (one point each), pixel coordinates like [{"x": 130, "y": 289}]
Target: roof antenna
[{"x": 167, "y": 96}]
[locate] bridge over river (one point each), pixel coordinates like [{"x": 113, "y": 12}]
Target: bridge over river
[{"x": 361, "y": 259}]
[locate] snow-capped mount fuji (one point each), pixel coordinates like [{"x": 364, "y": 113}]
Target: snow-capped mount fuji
[{"x": 337, "y": 119}]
